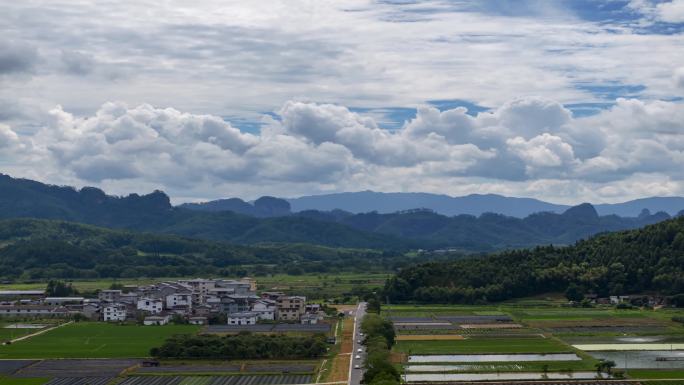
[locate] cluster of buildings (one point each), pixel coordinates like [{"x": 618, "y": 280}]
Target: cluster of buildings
[{"x": 195, "y": 300}]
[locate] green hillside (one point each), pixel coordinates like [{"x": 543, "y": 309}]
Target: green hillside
[{"x": 648, "y": 259}]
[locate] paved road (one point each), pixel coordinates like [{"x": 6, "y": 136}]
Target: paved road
[{"x": 356, "y": 374}]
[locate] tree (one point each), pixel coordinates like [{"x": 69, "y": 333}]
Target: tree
[
  {"x": 573, "y": 293},
  {"x": 373, "y": 306},
  {"x": 59, "y": 289}
]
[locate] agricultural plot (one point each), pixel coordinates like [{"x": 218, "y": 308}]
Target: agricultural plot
[
  {"x": 76, "y": 368},
  {"x": 267, "y": 328},
  {"x": 10, "y": 366},
  {"x": 484, "y": 345},
  {"x": 448, "y": 377},
  {"x": 200, "y": 368},
  {"x": 218, "y": 380},
  {"x": 94, "y": 340},
  {"x": 280, "y": 367},
  {"x": 81, "y": 381},
  {"x": 22, "y": 381}
]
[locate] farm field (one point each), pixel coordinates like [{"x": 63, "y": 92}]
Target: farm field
[
  {"x": 22, "y": 381},
  {"x": 543, "y": 327},
  {"x": 483, "y": 345},
  {"x": 655, "y": 374},
  {"x": 314, "y": 286},
  {"x": 94, "y": 340},
  {"x": 9, "y": 334}
]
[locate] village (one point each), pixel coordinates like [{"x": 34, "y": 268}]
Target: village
[{"x": 199, "y": 301}]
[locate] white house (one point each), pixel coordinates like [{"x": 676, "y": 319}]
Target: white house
[
  {"x": 157, "y": 320},
  {"x": 179, "y": 299},
  {"x": 114, "y": 313},
  {"x": 243, "y": 318},
  {"x": 150, "y": 305},
  {"x": 265, "y": 308}
]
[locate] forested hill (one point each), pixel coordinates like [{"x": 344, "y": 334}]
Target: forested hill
[
  {"x": 39, "y": 249},
  {"x": 489, "y": 231},
  {"x": 632, "y": 261},
  {"x": 270, "y": 221},
  {"x": 22, "y": 198}
]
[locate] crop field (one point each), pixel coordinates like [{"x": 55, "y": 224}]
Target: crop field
[
  {"x": 94, "y": 340},
  {"x": 218, "y": 380},
  {"x": 10, "y": 366},
  {"x": 311, "y": 285},
  {"x": 80, "y": 381},
  {"x": 22, "y": 381},
  {"x": 429, "y": 337},
  {"x": 76, "y": 368},
  {"x": 540, "y": 326},
  {"x": 484, "y": 345},
  {"x": 656, "y": 374},
  {"x": 10, "y": 334}
]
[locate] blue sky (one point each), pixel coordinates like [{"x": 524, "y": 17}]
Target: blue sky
[{"x": 564, "y": 100}]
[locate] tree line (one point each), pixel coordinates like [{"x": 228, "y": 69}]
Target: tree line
[
  {"x": 379, "y": 339},
  {"x": 242, "y": 346}
]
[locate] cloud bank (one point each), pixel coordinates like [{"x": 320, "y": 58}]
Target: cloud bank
[{"x": 326, "y": 147}]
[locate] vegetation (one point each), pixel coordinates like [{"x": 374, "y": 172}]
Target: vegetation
[
  {"x": 489, "y": 231},
  {"x": 94, "y": 340},
  {"x": 413, "y": 229},
  {"x": 242, "y": 346},
  {"x": 379, "y": 341},
  {"x": 618, "y": 263},
  {"x": 41, "y": 249}
]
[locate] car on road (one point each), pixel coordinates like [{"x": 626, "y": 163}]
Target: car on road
[
  {"x": 357, "y": 366},
  {"x": 359, "y": 350},
  {"x": 357, "y": 357}
]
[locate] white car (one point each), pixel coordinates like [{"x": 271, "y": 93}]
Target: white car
[
  {"x": 358, "y": 357},
  {"x": 357, "y": 366},
  {"x": 359, "y": 350}
]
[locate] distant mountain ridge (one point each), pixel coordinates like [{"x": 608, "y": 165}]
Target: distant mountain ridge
[
  {"x": 269, "y": 220},
  {"x": 474, "y": 204}
]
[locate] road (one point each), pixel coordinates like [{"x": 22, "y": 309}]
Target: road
[{"x": 355, "y": 375}]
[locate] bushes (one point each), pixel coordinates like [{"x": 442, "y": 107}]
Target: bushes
[
  {"x": 379, "y": 340},
  {"x": 242, "y": 346}
]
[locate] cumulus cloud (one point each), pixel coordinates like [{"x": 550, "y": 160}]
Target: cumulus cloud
[
  {"x": 312, "y": 146},
  {"x": 542, "y": 152}
]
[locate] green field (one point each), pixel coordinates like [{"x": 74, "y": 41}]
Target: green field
[
  {"x": 8, "y": 334},
  {"x": 22, "y": 381},
  {"x": 310, "y": 285},
  {"x": 484, "y": 345},
  {"x": 656, "y": 374},
  {"x": 94, "y": 340}
]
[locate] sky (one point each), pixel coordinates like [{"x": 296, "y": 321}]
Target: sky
[{"x": 565, "y": 101}]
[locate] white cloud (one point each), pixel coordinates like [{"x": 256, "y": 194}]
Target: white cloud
[
  {"x": 679, "y": 78},
  {"x": 671, "y": 12},
  {"x": 543, "y": 151},
  {"x": 8, "y": 138},
  {"x": 309, "y": 147}
]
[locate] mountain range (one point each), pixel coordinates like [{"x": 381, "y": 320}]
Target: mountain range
[
  {"x": 387, "y": 203},
  {"x": 272, "y": 220}
]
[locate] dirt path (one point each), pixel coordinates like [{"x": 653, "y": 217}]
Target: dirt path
[{"x": 339, "y": 372}]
